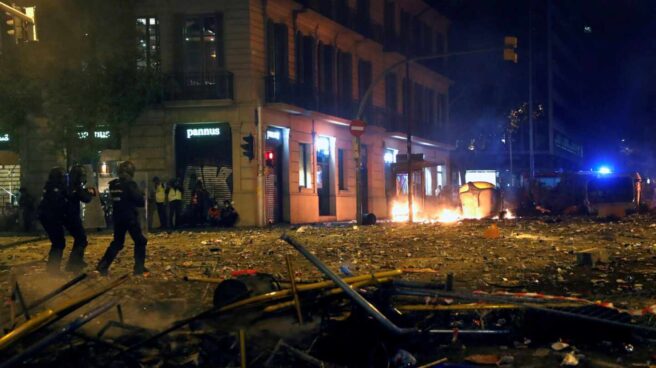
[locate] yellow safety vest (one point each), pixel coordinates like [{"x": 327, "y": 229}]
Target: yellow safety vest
[
  {"x": 160, "y": 195},
  {"x": 175, "y": 195}
]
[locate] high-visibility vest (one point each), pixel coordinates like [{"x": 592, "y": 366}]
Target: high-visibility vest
[
  {"x": 175, "y": 195},
  {"x": 160, "y": 195}
]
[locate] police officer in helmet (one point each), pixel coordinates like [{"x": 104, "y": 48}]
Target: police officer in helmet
[
  {"x": 60, "y": 209},
  {"x": 126, "y": 198}
]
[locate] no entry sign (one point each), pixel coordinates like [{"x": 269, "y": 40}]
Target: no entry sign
[{"x": 357, "y": 127}]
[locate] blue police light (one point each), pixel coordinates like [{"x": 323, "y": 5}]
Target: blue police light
[{"x": 604, "y": 170}]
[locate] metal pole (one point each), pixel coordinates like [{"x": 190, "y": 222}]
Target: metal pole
[
  {"x": 510, "y": 153},
  {"x": 408, "y": 114},
  {"x": 16, "y": 13},
  {"x": 358, "y": 180},
  {"x": 354, "y": 295},
  {"x": 531, "y": 153},
  {"x": 242, "y": 348},
  {"x": 292, "y": 280}
]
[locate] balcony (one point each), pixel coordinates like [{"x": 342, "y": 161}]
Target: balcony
[
  {"x": 308, "y": 97},
  {"x": 200, "y": 86}
]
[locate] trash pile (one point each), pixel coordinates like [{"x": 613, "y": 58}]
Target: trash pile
[{"x": 380, "y": 319}]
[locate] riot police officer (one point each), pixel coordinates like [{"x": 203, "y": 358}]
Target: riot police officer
[
  {"x": 60, "y": 209},
  {"x": 126, "y": 198}
]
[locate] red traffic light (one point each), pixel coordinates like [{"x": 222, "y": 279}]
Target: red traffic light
[{"x": 268, "y": 155}]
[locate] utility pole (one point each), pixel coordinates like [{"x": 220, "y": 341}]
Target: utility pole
[
  {"x": 408, "y": 115},
  {"x": 531, "y": 148}
]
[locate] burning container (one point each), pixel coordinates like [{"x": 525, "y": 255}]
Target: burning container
[{"x": 479, "y": 199}]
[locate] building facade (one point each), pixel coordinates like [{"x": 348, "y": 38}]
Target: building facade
[
  {"x": 259, "y": 94},
  {"x": 288, "y": 77}
]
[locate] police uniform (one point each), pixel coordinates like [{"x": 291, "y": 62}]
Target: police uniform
[
  {"x": 60, "y": 209},
  {"x": 126, "y": 198}
]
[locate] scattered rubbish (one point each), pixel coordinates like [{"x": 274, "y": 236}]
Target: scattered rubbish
[
  {"x": 570, "y": 360},
  {"x": 541, "y": 352},
  {"x": 403, "y": 358},
  {"x": 483, "y": 359},
  {"x": 558, "y": 346},
  {"x": 492, "y": 232},
  {"x": 591, "y": 257}
]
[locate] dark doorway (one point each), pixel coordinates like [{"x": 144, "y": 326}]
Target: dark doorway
[
  {"x": 273, "y": 153},
  {"x": 323, "y": 176}
]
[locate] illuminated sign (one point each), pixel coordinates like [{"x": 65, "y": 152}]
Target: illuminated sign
[
  {"x": 273, "y": 134},
  {"x": 203, "y": 132},
  {"x": 100, "y": 134},
  {"x": 4, "y": 138}
]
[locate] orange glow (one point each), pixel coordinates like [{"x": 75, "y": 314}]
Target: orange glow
[{"x": 399, "y": 213}]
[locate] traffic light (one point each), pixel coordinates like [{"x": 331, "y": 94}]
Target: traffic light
[
  {"x": 20, "y": 22},
  {"x": 247, "y": 146},
  {"x": 268, "y": 158},
  {"x": 14, "y": 28},
  {"x": 510, "y": 49}
]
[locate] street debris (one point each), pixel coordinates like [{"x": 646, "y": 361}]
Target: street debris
[{"x": 338, "y": 297}]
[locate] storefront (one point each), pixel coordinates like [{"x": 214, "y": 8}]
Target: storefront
[{"x": 203, "y": 155}]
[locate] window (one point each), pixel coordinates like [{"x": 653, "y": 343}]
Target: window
[
  {"x": 391, "y": 99},
  {"x": 440, "y": 176},
  {"x": 390, "y": 24},
  {"x": 363, "y": 19},
  {"x": 406, "y": 36},
  {"x": 430, "y": 110},
  {"x": 326, "y": 68},
  {"x": 341, "y": 169},
  {"x": 364, "y": 77},
  {"x": 148, "y": 42},
  {"x": 277, "y": 50},
  {"x": 304, "y": 166},
  {"x": 389, "y": 157},
  {"x": 305, "y": 55},
  {"x": 345, "y": 78},
  {"x": 428, "y": 181},
  {"x": 203, "y": 49}
]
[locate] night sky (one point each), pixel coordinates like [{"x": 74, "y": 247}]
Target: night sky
[{"x": 618, "y": 76}]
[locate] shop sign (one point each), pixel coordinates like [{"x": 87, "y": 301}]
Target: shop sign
[
  {"x": 202, "y": 132},
  {"x": 100, "y": 134}
]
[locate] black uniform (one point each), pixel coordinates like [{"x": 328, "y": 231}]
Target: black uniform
[
  {"x": 126, "y": 198},
  {"x": 60, "y": 209}
]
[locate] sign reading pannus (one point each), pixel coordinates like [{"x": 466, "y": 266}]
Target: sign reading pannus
[
  {"x": 202, "y": 132},
  {"x": 100, "y": 134}
]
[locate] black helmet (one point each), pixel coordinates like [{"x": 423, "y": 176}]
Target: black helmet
[
  {"x": 126, "y": 168},
  {"x": 78, "y": 175},
  {"x": 57, "y": 175}
]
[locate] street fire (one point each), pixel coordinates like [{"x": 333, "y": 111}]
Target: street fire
[{"x": 400, "y": 214}]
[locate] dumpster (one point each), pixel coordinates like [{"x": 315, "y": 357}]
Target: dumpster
[{"x": 479, "y": 199}]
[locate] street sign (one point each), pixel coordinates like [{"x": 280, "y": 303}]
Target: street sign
[{"x": 357, "y": 127}]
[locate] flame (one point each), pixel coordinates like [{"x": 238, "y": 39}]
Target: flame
[
  {"x": 400, "y": 211},
  {"x": 509, "y": 215},
  {"x": 448, "y": 216}
]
